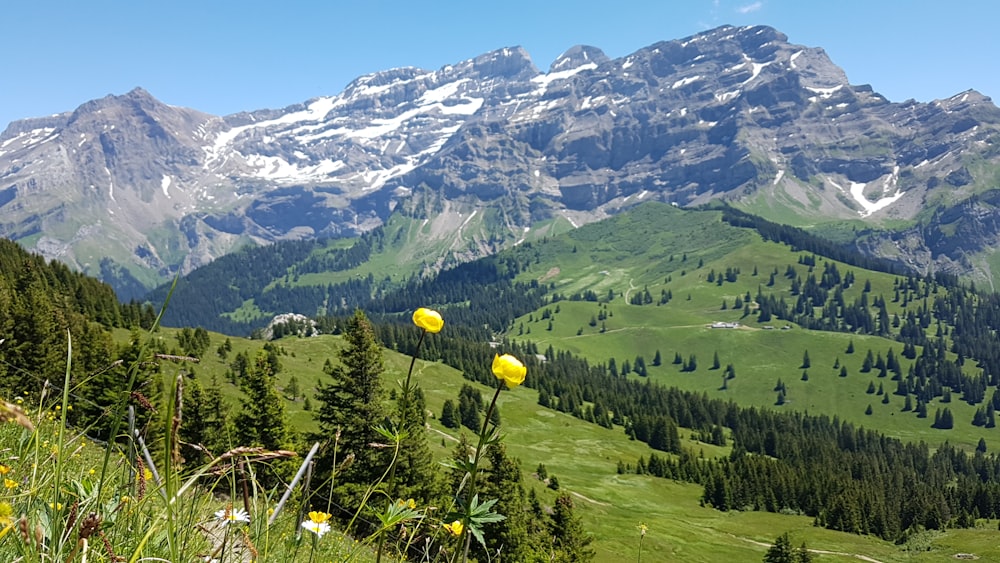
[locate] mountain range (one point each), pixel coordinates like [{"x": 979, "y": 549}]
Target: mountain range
[{"x": 133, "y": 190}]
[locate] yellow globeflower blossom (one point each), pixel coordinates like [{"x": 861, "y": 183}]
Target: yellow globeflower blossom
[
  {"x": 428, "y": 319},
  {"x": 455, "y": 527},
  {"x": 509, "y": 369}
]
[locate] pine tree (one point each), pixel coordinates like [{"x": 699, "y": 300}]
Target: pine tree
[
  {"x": 570, "y": 541},
  {"x": 193, "y": 428},
  {"x": 449, "y": 418},
  {"x": 469, "y": 413},
  {"x": 503, "y": 481},
  {"x": 802, "y": 554},
  {"x": 414, "y": 476},
  {"x": 351, "y": 406},
  {"x": 781, "y": 551},
  {"x": 261, "y": 421}
]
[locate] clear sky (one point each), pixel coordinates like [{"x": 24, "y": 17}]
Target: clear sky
[{"x": 223, "y": 56}]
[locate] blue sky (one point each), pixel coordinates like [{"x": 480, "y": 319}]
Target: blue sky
[{"x": 221, "y": 56}]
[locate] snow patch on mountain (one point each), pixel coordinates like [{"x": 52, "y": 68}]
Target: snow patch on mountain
[
  {"x": 280, "y": 170},
  {"x": 441, "y": 93},
  {"x": 888, "y": 185},
  {"x": 824, "y": 93},
  {"x": 791, "y": 60},
  {"x": 685, "y": 81},
  {"x": 314, "y": 112},
  {"x": 543, "y": 80}
]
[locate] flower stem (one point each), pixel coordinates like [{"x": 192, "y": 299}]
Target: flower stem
[
  {"x": 466, "y": 520},
  {"x": 403, "y": 406}
]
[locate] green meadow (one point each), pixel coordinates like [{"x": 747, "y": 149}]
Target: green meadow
[{"x": 584, "y": 457}]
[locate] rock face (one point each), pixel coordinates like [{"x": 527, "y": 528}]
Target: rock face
[{"x": 734, "y": 113}]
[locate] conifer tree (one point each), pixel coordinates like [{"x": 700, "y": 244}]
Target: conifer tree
[
  {"x": 503, "y": 482},
  {"x": 449, "y": 418},
  {"x": 351, "y": 406},
  {"x": 781, "y": 551},
  {"x": 570, "y": 541},
  {"x": 469, "y": 413},
  {"x": 414, "y": 476},
  {"x": 261, "y": 421}
]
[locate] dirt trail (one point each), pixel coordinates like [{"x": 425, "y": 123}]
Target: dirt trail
[
  {"x": 631, "y": 286},
  {"x": 588, "y": 499},
  {"x": 818, "y": 551}
]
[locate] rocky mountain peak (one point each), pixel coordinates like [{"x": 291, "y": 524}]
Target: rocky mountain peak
[
  {"x": 508, "y": 63},
  {"x": 578, "y": 56},
  {"x": 735, "y": 112}
]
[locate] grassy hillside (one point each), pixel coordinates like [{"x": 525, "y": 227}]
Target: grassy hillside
[
  {"x": 227, "y": 294},
  {"x": 627, "y": 254},
  {"x": 584, "y": 458}
]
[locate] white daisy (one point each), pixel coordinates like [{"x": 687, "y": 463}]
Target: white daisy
[
  {"x": 318, "y": 528},
  {"x": 229, "y": 515},
  {"x": 317, "y": 523}
]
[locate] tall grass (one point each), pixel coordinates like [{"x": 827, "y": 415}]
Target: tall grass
[{"x": 65, "y": 500}]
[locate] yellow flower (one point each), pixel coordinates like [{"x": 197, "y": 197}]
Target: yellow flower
[
  {"x": 317, "y": 523},
  {"x": 455, "y": 527},
  {"x": 9, "y": 483},
  {"x": 4, "y": 469},
  {"x": 409, "y": 503},
  {"x": 92, "y": 472},
  {"x": 6, "y": 512},
  {"x": 146, "y": 474},
  {"x": 643, "y": 529},
  {"x": 318, "y": 517},
  {"x": 56, "y": 506},
  {"x": 509, "y": 369},
  {"x": 428, "y": 319}
]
